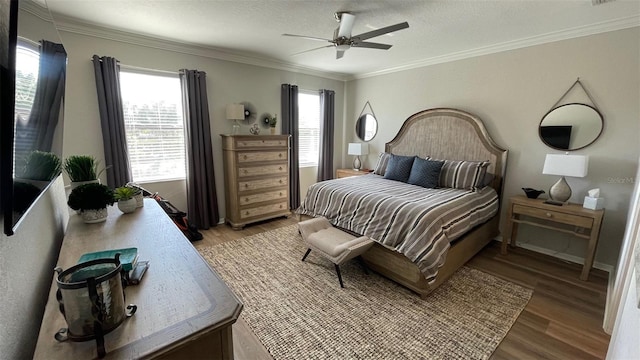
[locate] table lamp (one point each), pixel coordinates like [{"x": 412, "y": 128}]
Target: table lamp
[
  {"x": 564, "y": 165},
  {"x": 358, "y": 149},
  {"x": 235, "y": 112}
]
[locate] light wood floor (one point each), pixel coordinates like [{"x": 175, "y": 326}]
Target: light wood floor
[{"x": 563, "y": 319}]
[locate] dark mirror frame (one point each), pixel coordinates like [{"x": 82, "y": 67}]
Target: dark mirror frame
[
  {"x": 560, "y": 131},
  {"x": 360, "y": 127},
  {"x": 8, "y": 43}
]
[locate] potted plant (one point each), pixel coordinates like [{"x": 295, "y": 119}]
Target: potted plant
[
  {"x": 39, "y": 168},
  {"x": 82, "y": 169},
  {"x": 92, "y": 201},
  {"x": 138, "y": 195},
  {"x": 126, "y": 201},
  {"x": 272, "y": 123}
]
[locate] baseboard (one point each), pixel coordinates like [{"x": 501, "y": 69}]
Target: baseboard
[{"x": 560, "y": 255}]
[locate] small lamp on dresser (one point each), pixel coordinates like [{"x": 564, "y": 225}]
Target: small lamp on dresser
[
  {"x": 564, "y": 165},
  {"x": 358, "y": 149},
  {"x": 235, "y": 112}
]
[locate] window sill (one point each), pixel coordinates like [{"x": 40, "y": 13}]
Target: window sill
[
  {"x": 159, "y": 181},
  {"x": 307, "y": 166}
]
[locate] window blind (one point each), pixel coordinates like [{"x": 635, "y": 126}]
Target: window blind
[
  {"x": 154, "y": 125},
  {"x": 27, "y": 69},
  {"x": 309, "y": 128}
]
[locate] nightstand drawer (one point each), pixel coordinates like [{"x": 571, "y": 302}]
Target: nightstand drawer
[{"x": 570, "y": 219}]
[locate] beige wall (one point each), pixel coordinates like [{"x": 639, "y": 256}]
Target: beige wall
[
  {"x": 511, "y": 91},
  {"x": 27, "y": 259},
  {"x": 227, "y": 82}
]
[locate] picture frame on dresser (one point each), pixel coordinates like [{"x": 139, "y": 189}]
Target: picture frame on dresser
[{"x": 256, "y": 178}]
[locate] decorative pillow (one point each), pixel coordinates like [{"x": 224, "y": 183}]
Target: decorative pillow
[
  {"x": 381, "y": 165},
  {"x": 425, "y": 173},
  {"x": 399, "y": 168},
  {"x": 468, "y": 175}
]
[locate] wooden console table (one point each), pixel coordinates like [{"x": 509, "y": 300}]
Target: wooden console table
[
  {"x": 184, "y": 309},
  {"x": 568, "y": 218}
]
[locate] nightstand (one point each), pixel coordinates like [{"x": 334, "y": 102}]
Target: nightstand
[
  {"x": 569, "y": 218},
  {"x": 341, "y": 173}
]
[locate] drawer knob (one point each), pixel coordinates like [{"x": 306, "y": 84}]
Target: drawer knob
[
  {"x": 246, "y": 213},
  {"x": 245, "y": 157},
  {"x": 548, "y": 214},
  {"x": 245, "y": 171},
  {"x": 280, "y": 206},
  {"x": 280, "y": 155},
  {"x": 281, "y": 193},
  {"x": 246, "y": 199},
  {"x": 280, "y": 168},
  {"x": 280, "y": 181},
  {"x": 246, "y": 185}
]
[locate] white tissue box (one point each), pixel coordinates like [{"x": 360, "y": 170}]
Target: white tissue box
[{"x": 593, "y": 203}]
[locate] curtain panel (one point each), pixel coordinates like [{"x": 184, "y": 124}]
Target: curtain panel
[
  {"x": 202, "y": 201},
  {"x": 289, "y": 111},
  {"x": 116, "y": 155},
  {"x": 327, "y": 120}
]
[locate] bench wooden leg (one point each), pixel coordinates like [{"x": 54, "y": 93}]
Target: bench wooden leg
[{"x": 339, "y": 276}]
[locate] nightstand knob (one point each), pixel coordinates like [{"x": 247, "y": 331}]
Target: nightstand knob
[{"x": 548, "y": 214}]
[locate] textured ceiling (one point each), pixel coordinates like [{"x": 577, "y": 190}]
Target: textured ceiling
[{"x": 439, "y": 30}]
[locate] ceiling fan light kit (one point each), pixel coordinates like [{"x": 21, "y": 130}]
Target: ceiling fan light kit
[{"x": 342, "y": 39}]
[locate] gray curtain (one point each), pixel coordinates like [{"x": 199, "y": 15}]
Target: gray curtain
[
  {"x": 202, "y": 202},
  {"x": 289, "y": 110},
  {"x": 37, "y": 132},
  {"x": 116, "y": 155},
  {"x": 327, "y": 119}
]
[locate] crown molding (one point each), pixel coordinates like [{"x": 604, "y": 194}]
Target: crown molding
[
  {"x": 35, "y": 9},
  {"x": 593, "y": 29},
  {"x": 70, "y": 25}
]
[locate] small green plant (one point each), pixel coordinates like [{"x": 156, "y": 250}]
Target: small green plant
[
  {"x": 41, "y": 165},
  {"x": 124, "y": 193},
  {"x": 91, "y": 197},
  {"x": 273, "y": 121},
  {"x": 82, "y": 168}
]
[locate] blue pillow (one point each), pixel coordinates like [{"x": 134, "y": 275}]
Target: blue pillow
[
  {"x": 399, "y": 168},
  {"x": 425, "y": 173}
]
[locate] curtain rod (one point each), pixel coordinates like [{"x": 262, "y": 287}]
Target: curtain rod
[{"x": 143, "y": 69}]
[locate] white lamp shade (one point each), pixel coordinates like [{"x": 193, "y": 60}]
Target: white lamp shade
[
  {"x": 358, "y": 149},
  {"x": 235, "y": 112},
  {"x": 566, "y": 165}
]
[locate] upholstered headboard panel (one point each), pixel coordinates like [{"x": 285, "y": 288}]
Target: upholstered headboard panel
[{"x": 450, "y": 134}]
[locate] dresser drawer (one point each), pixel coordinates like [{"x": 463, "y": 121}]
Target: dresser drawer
[
  {"x": 262, "y": 183},
  {"x": 570, "y": 219},
  {"x": 263, "y": 210},
  {"x": 244, "y": 144},
  {"x": 247, "y": 171},
  {"x": 265, "y": 196},
  {"x": 256, "y": 156}
]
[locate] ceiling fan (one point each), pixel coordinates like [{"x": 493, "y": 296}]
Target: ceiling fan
[{"x": 342, "y": 39}]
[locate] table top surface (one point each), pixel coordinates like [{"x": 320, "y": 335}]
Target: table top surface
[{"x": 180, "y": 297}]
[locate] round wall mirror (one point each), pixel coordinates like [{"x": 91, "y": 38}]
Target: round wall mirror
[
  {"x": 571, "y": 126},
  {"x": 366, "y": 127}
]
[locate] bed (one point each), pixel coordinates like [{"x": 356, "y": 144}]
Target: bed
[{"x": 438, "y": 134}]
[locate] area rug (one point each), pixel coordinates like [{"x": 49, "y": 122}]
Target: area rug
[{"x": 298, "y": 310}]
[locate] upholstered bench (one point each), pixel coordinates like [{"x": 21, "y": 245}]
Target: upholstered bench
[{"x": 334, "y": 244}]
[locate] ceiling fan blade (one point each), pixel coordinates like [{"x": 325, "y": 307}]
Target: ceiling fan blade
[
  {"x": 339, "y": 54},
  {"x": 346, "y": 25},
  {"x": 306, "y": 51},
  {"x": 382, "y": 31},
  {"x": 370, "y": 45},
  {"x": 307, "y": 37}
]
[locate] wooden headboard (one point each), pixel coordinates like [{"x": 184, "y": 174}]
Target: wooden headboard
[{"x": 453, "y": 135}]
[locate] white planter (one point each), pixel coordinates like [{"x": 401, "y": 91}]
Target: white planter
[
  {"x": 94, "y": 216},
  {"x": 75, "y": 184},
  {"x": 127, "y": 206}
]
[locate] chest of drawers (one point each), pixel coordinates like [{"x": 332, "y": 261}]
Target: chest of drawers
[{"x": 256, "y": 178}]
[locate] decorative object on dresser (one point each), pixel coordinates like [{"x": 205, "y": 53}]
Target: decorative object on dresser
[
  {"x": 564, "y": 165},
  {"x": 532, "y": 193},
  {"x": 570, "y": 218},
  {"x": 82, "y": 169},
  {"x": 256, "y": 178},
  {"x": 235, "y": 112},
  {"x": 255, "y": 129},
  {"x": 126, "y": 202},
  {"x": 358, "y": 149},
  {"x": 92, "y": 201},
  {"x": 593, "y": 200},
  {"x": 342, "y": 173}
]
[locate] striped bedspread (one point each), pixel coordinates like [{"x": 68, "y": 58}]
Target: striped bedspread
[{"x": 414, "y": 221}]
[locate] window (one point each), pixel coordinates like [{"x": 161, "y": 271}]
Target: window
[
  {"x": 154, "y": 125},
  {"x": 309, "y": 126},
  {"x": 27, "y": 68}
]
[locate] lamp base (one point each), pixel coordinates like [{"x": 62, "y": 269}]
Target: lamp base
[
  {"x": 236, "y": 128},
  {"x": 356, "y": 163},
  {"x": 560, "y": 191}
]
